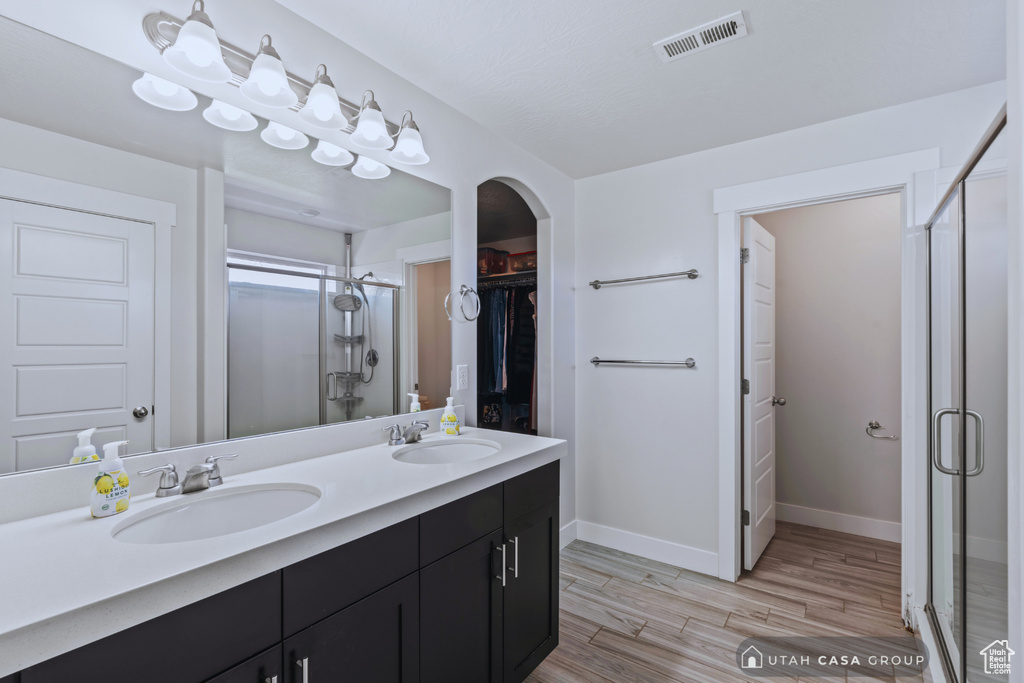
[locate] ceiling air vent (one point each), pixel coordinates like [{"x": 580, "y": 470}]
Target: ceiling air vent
[{"x": 700, "y": 38}]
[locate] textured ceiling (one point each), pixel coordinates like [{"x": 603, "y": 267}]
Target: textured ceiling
[
  {"x": 95, "y": 103},
  {"x": 576, "y": 82}
]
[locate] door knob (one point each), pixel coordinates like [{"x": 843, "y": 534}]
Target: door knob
[
  {"x": 778, "y": 401},
  {"x": 140, "y": 412}
]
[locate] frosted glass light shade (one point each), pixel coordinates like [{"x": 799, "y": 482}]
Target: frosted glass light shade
[
  {"x": 283, "y": 137},
  {"x": 370, "y": 169},
  {"x": 267, "y": 83},
  {"x": 332, "y": 155},
  {"x": 322, "y": 108},
  {"x": 196, "y": 50},
  {"x": 164, "y": 94},
  {"x": 409, "y": 148},
  {"x": 229, "y": 117},
  {"x": 371, "y": 131}
]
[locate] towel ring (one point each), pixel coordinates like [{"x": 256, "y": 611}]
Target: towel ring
[
  {"x": 446, "y": 299},
  {"x": 463, "y": 291}
]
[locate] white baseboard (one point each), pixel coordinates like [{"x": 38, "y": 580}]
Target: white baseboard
[
  {"x": 837, "y": 521},
  {"x": 979, "y": 548},
  {"x": 567, "y": 534},
  {"x": 694, "y": 559}
]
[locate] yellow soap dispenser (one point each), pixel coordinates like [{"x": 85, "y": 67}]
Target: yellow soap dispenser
[
  {"x": 449, "y": 420},
  {"x": 110, "y": 487}
]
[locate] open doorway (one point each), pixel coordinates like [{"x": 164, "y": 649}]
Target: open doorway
[
  {"x": 431, "y": 363},
  {"x": 821, "y": 352},
  {"x": 507, "y": 330}
]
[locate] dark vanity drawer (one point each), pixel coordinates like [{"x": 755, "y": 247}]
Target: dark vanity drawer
[
  {"x": 266, "y": 666},
  {"x": 331, "y": 581},
  {"x": 450, "y": 527},
  {"x": 189, "y": 644},
  {"x": 531, "y": 490}
]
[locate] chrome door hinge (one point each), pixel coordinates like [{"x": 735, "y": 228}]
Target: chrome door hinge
[
  {"x": 745, "y": 386},
  {"x": 744, "y": 255},
  {"x": 745, "y": 517}
]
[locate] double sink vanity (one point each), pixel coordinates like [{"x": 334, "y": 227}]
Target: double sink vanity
[{"x": 427, "y": 561}]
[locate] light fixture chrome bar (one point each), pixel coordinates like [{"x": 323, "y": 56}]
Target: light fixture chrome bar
[
  {"x": 161, "y": 30},
  {"x": 691, "y": 274},
  {"x": 688, "y": 363}
]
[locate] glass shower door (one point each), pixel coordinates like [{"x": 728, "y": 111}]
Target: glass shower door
[{"x": 967, "y": 390}]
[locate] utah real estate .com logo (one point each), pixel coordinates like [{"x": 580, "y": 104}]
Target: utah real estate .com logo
[{"x": 997, "y": 657}]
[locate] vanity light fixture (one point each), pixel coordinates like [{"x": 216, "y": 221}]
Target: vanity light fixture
[
  {"x": 370, "y": 169},
  {"x": 409, "y": 147},
  {"x": 196, "y": 50},
  {"x": 283, "y": 137},
  {"x": 164, "y": 94},
  {"x": 330, "y": 154},
  {"x": 322, "y": 108},
  {"x": 267, "y": 83},
  {"x": 229, "y": 117},
  {"x": 371, "y": 130}
]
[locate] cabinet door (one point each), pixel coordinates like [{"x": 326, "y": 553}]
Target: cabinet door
[
  {"x": 460, "y": 615},
  {"x": 376, "y": 639},
  {"x": 263, "y": 668},
  {"x": 531, "y": 592}
]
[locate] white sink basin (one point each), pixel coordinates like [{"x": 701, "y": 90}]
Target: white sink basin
[
  {"x": 195, "y": 516},
  {"x": 445, "y": 451}
]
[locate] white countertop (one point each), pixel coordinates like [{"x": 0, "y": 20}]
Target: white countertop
[{"x": 65, "y": 582}]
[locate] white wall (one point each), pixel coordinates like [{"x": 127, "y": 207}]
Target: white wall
[
  {"x": 837, "y": 337},
  {"x": 287, "y": 239},
  {"x": 463, "y": 155},
  {"x": 383, "y": 244},
  {"x": 647, "y": 437},
  {"x": 38, "y": 151}
]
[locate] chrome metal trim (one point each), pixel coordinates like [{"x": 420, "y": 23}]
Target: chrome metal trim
[
  {"x": 313, "y": 276},
  {"x": 504, "y": 564},
  {"x": 979, "y": 444},
  {"x": 937, "y": 442},
  {"x": 691, "y": 274},
  {"x": 688, "y": 363}
]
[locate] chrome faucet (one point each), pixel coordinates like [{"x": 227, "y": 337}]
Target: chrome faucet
[
  {"x": 412, "y": 432},
  {"x": 395, "y": 437},
  {"x": 203, "y": 476},
  {"x": 169, "y": 485}
]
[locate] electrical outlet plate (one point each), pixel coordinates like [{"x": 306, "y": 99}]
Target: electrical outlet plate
[{"x": 462, "y": 377}]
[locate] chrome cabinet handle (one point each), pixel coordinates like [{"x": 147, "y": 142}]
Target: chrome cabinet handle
[
  {"x": 979, "y": 443},
  {"x": 875, "y": 425},
  {"x": 515, "y": 562},
  {"x": 140, "y": 412},
  {"x": 936, "y": 439},
  {"x": 778, "y": 401},
  {"x": 304, "y": 665},
  {"x": 504, "y": 564},
  {"x": 270, "y": 679}
]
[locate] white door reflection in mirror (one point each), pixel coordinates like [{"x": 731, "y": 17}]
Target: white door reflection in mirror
[{"x": 79, "y": 295}]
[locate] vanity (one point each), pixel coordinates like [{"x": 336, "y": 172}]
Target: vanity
[{"x": 400, "y": 571}]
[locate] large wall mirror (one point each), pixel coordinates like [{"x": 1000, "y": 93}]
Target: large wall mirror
[{"x": 333, "y": 284}]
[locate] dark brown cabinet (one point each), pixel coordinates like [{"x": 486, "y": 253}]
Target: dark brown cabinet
[
  {"x": 464, "y": 593},
  {"x": 376, "y": 639},
  {"x": 264, "y": 667}
]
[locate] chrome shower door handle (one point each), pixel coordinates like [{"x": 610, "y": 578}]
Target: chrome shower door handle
[
  {"x": 332, "y": 396},
  {"x": 936, "y": 439},
  {"x": 979, "y": 443}
]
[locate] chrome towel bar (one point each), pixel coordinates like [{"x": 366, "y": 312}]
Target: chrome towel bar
[
  {"x": 688, "y": 363},
  {"x": 692, "y": 274}
]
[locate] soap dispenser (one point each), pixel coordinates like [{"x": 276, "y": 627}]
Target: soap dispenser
[
  {"x": 85, "y": 451},
  {"x": 449, "y": 420},
  {"x": 414, "y": 407},
  {"x": 110, "y": 487}
]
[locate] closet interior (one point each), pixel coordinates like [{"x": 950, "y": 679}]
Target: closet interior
[{"x": 507, "y": 325}]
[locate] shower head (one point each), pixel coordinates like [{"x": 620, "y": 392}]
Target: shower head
[{"x": 348, "y": 302}]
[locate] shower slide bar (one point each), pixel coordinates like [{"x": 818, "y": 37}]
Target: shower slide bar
[
  {"x": 691, "y": 274},
  {"x": 688, "y": 363}
]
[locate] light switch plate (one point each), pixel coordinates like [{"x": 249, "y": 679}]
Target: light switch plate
[{"x": 462, "y": 376}]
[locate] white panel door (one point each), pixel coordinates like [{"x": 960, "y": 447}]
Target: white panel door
[
  {"x": 758, "y": 404},
  {"x": 76, "y": 294}
]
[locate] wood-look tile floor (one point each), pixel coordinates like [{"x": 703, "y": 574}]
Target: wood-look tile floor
[{"x": 629, "y": 619}]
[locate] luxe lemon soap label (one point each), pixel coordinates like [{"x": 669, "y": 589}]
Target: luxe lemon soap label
[{"x": 110, "y": 489}]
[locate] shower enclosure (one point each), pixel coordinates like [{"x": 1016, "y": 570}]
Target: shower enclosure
[
  {"x": 967, "y": 392},
  {"x": 307, "y": 348}
]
